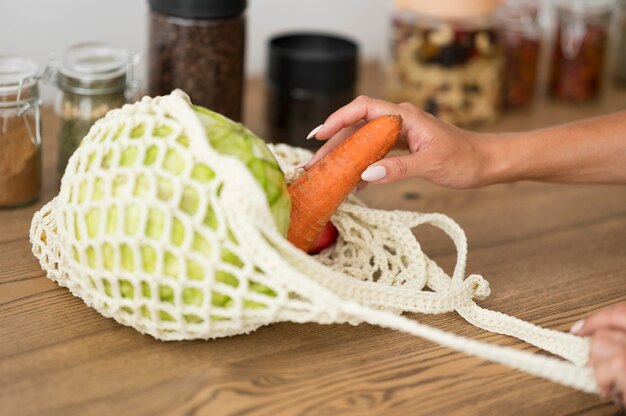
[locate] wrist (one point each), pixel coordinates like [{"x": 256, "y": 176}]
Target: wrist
[{"x": 497, "y": 153}]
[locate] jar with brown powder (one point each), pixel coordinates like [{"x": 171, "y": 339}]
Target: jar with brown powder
[{"x": 20, "y": 132}]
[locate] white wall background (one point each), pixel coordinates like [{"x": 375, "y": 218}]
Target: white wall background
[{"x": 39, "y": 28}]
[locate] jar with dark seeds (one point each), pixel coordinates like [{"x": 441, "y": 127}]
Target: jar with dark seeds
[{"x": 198, "y": 46}]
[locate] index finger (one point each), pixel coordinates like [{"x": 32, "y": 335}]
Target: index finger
[
  {"x": 331, "y": 144},
  {"x": 361, "y": 108},
  {"x": 611, "y": 317}
]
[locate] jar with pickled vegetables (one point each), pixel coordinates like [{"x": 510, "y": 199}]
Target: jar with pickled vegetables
[
  {"x": 521, "y": 32},
  {"x": 620, "y": 67},
  {"x": 580, "y": 48},
  {"x": 447, "y": 59}
]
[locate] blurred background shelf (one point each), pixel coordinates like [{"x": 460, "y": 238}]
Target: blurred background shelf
[{"x": 544, "y": 111}]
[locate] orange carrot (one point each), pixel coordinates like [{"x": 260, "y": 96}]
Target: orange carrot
[{"x": 317, "y": 194}]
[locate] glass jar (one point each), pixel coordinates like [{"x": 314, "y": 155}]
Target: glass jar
[
  {"x": 620, "y": 67},
  {"x": 521, "y": 32},
  {"x": 198, "y": 46},
  {"x": 447, "y": 59},
  {"x": 310, "y": 76},
  {"x": 20, "y": 132},
  {"x": 92, "y": 78},
  {"x": 580, "y": 48}
]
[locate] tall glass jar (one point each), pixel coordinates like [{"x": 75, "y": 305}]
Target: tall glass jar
[
  {"x": 447, "y": 58},
  {"x": 92, "y": 78},
  {"x": 198, "y": 46},
  {"x": 522, "y": 35},
  {"x": 580, "y": 49},
  {"x": 620, "y": 67},
  {"x": 20, "y": 132}
]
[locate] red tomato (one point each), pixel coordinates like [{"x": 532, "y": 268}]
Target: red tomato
[{"x": 326, "y": 238}]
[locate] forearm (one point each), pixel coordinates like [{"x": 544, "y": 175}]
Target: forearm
[{"x": 589, "y": 151}]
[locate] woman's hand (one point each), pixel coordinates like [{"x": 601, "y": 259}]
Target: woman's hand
[
  {"x": 438, "y": 151},
  {"x": 588, "y": 151},
  {"x": 607, "y": 329}
]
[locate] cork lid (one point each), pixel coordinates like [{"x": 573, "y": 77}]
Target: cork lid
[{"x": 450, "y": 9}]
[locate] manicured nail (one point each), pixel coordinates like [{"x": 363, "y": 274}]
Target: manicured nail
[
  {"x": 374, "y": 173},
  {"x": 617, "y": 399},
  {"x": 605, "y": 394},
  {"x": 301, "y": 165},
  {"x": 314, "y": 132},
  {"x": 577, "y": 326}
]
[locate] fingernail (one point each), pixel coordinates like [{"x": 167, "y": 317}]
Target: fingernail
[
  {"x": 374, "y": 173},
  {"x": 301, "y": 165},
  {"x": 577, "y": 326},
  {"x": 314, "y": 132},
  {"x": 617, "y": 399}
]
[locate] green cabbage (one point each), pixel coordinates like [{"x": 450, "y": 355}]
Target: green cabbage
[
  {"x": 119, "y": 225},
  {"x": 230, "y": 138}
]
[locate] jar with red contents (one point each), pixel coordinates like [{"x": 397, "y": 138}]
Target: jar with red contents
[
  {"x": 620, "y": 66},
  {"x": 521, "y": 32},
  {"x": 580, "y": 49}
]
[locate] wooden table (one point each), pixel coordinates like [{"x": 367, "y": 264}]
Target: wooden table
[{"x": 552, "y": 254}]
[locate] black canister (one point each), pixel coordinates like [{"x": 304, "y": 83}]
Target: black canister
[
  {"x": 198, "y": 46},
  {"x": 310, "y": 75}
]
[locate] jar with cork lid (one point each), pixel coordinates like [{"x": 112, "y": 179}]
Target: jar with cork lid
[
  {"x": 20, "y": 132},
  {"x": 447, "y": 58}
]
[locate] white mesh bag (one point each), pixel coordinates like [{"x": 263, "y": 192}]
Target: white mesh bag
[{"x": 157, "y": 229}]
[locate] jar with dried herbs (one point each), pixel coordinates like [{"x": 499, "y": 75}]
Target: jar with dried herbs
[
  {"x": 92, "y": 78},
  {"x": 580, "y": 49},
  {"x": 447, "y": 59},
  {"x": 20, "y": 132}
]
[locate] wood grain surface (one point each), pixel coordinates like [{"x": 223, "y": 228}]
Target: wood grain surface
[{"x": 551, "y": 253}]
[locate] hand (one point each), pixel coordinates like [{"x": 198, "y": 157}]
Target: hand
[
  {"x": 607, "y": 329},
  {"x": 439, "y": 152}
]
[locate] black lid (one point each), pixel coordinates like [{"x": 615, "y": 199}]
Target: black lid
[
  {"x": 312, "y": 61},
  {"x": 200, "y": 9}
]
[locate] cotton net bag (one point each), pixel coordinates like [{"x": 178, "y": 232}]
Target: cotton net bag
[{"x": 171, "y": 219}]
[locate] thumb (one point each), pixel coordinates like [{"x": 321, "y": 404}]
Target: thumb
[{"x": 393, "y": 169}]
